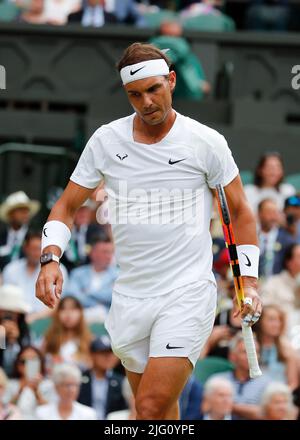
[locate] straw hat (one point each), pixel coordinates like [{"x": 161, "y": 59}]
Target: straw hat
[
  {"x": 12, "y": 299},
  {"x": 18, "y": 200}
]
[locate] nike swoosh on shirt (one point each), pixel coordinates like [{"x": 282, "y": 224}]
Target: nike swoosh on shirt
[
  {"x": 248, "y": 261},
  {"x": 133, "y": 72},
  {"x": 172, "y": 162}
]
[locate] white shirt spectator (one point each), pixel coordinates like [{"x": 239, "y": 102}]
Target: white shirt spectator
[
  {"x": 79, "y": 412},
  {"x": 57, "y": 11},
  {"x": 16, "y": 273},
  {"x": 255, "y": 194}
]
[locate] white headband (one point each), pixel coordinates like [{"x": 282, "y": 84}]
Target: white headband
[{"x": 145, "y": 69}]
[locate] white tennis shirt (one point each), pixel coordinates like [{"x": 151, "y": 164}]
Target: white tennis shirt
[{"x": 160, "y": 201}]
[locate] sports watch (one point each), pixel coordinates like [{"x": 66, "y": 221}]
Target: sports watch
[{"x": 48, "y": 257}]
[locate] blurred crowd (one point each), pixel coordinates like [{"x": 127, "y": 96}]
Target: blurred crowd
[
  {"x": 59, "y": 364},
  {"x": 207, "y": 15}
]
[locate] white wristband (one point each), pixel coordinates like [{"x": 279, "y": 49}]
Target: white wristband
[
  {"x": 248, "y": 255},
  {"x": 56, "y": 233}
]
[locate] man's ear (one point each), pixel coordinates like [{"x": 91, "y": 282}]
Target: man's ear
[{"x": 172, "y": 80}]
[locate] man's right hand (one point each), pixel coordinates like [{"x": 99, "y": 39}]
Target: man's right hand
[{"x": 49, "y": 284}]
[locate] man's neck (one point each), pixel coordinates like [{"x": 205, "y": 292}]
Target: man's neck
[
  {"x": 99, "y": 374},
  {"x": 241, "y": 375},
  {"x": 153, "y": 133}
]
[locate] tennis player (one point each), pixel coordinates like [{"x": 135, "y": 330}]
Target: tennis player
[{"x": 159, "y": 169}]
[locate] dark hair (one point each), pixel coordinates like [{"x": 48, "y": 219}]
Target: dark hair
[
  {"x": 31, "y": 234},
  {"x": 289, "y": 253},
  {"x": 138, "y": 52},
  {"x": 258, "y": 180},
  {"x": 100, "y": 238},
  {"x": 16, "y": 374}
]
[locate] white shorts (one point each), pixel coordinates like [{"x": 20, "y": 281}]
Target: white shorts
[{"x": 176, "y": 324}]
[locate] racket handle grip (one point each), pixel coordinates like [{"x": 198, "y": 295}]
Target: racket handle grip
[{"x": 254, "y": 369}]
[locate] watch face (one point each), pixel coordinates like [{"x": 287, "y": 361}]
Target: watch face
[{"x": 45, "y": 258}]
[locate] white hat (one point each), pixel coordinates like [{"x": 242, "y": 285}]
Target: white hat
[
  {"x": 18, "y": 200},
  {"x": 12, "y": 299}
]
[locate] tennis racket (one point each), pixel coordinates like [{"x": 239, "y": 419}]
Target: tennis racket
[{"x": 254, "y": 369}]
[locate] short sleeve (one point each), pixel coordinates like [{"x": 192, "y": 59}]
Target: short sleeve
[
  {"x": 220, "y": 165},
  {"x": 88, "y": 171}
]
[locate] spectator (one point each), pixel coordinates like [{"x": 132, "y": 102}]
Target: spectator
[
  {"x": 67, "y": 380},
  {"x": 29, "y": 386},
  {"x": 93, "y": 13},
  {"x": 68, "y": 337},
  {"x": 217, "y": 399},
  {"x": 268, "y": 15},
  {"x": 191, "y": 82},
  {"x": 283, "y": 289},
  {"x": 13, "y": 310},
  {"x": 127, "y": 12},
  {"x": 276, "y": 354},
  {"x": 268, "y": 182},
  {"x": 125, "y": 414},
  {"x": 277, "y": 403},
  {"x": 247, "y": 392},
  {"x": 7, "y": 411},
  {"x": 57, "y": 11},
  {"x": 273, "y": 239},
  {"x": 16, "y": 212},
  {"x": 292, "y": 216},
  {"x": 190, "y": 400},
  {"x": 24, "y": 273},
  {"x": 33, "y": 13},
  {"x": 102, "y": 388},
  {"x": 92, "y": 284}
]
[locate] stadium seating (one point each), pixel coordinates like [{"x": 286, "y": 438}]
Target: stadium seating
[{"x": 210, "y": 365}]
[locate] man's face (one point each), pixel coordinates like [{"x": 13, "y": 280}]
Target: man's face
[
  {"x": 104, "y": 360},
  {"x": 151, "y": 98},
  {"x": 102, "y": 254},
  {"x": 269, "y": 216},
  {"x": 19, "y": 216},
  {"x": 32, "y": 250},
  {"x": 220, "y": 401},
  {"x": 294, "y": 264}
]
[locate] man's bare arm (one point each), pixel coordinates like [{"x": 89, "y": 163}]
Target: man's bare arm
[{"x": 64, "y": 211}]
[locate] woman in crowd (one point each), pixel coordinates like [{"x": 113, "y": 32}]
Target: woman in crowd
[
  {"x": 268, "y": 182},
  {"x": 68, "y": 338},
  {"x": 67, "y": 379},
  {"x": 13, "y": 311},
  {"x": 277, "y": 356},
  {"x": 277, "y": 403},
  {"x": 29, "y": 386}
]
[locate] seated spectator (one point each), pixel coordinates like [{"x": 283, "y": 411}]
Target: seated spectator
[
  {"x": 13, "y": 310},
  {"x": 68, "y": 337},
  {"x": 83, "y": 234},
  {"x": 93, "y": 14},
  {"x": 190, "y": 400},
  {"x": 277, "y": 403},
  {"x": 268, "y": 15},
  {"x": 57, "y": 11},
  {"x": 283, "y": 289},
  {"x": 29, "y": 386},
  {"x": 217, "y": 399},
  {"x": 277, "y": 357},
  {"x": 206, "y": 15},
  {"x": 33, "y": 13},
  {"x": 127, "y": 12},
  {"x": 247, "y": 392},
  {"x": 125, "y": 414},
  {"x": 292, "y": 216},
  {"x": 16, "y": 212},
  {"x": 24, "y": 273},
  {"x": 191, "y": 82},
  {"x": 92, "y": 284},
  {"x": 273, "y": 239},
  {"x": 7, "y": 410},
  {"x": 67, "y": 379},
  {"x": 102, "y": 388},
  {"x": 268, "y": 182}
]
